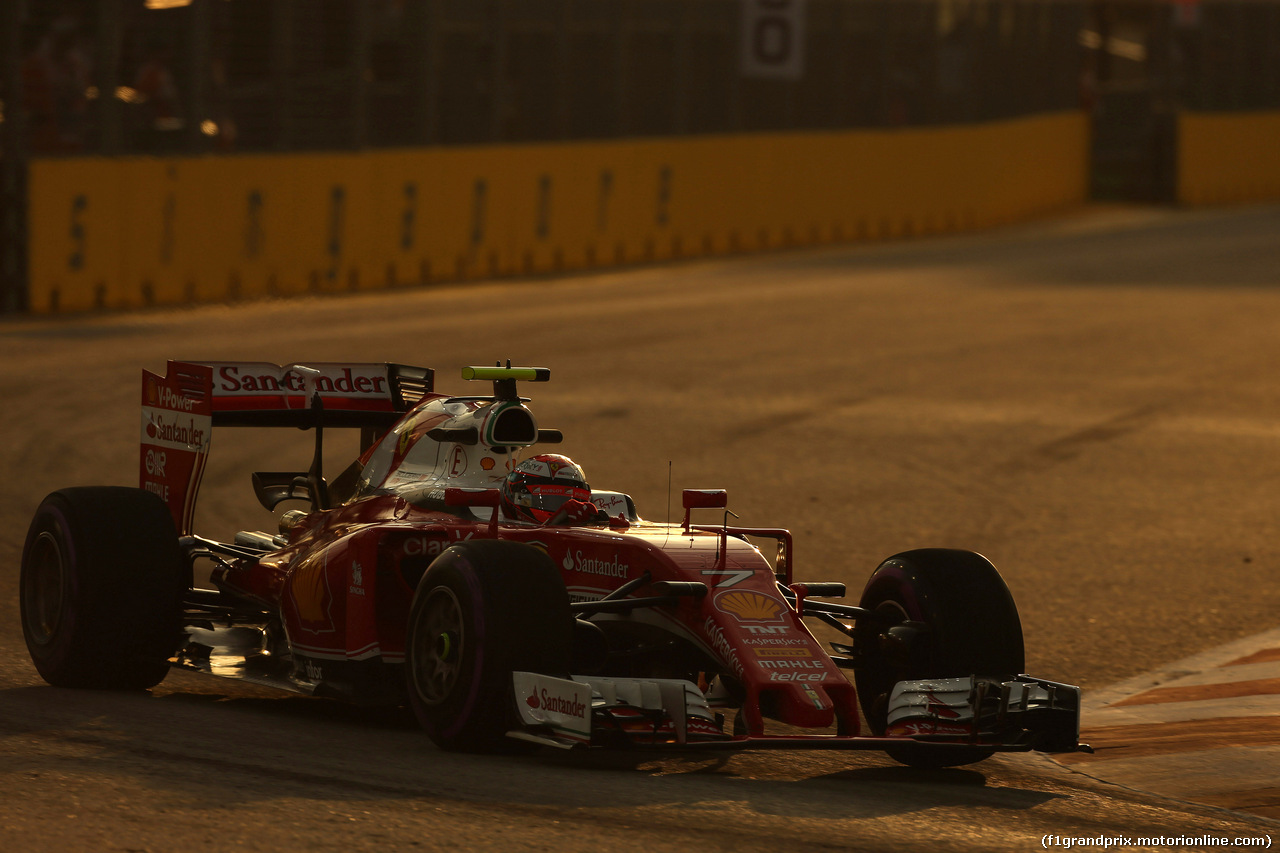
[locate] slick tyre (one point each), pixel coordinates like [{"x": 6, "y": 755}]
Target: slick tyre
[
  {"x": 101, "y": 588},
  {"x": 970, "y": 627},
  {"x": 482, "y": 611}
]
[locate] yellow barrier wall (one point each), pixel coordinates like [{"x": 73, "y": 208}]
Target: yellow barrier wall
[
  {"x": 1228, "y": 157},
  {"x": 130, "y": 232}
]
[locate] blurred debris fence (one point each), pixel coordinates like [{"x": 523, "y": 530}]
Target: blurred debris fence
[
  {"x": 120, "y": 78},
  {"x": 163, "y": 76}
]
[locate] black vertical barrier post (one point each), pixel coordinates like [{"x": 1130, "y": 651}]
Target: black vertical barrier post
[{"x": 13, "y": 162}]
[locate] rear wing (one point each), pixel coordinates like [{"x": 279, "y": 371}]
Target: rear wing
[
  {"x": 180, "y": 409},
  {"x": 352, "y": 395}
]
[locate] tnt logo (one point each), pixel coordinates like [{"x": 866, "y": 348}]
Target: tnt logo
[{"x": 155, "y": 462}]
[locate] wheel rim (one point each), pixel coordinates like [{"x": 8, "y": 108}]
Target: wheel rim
[
  {"x": 45, "y": 589},
  {"x": 438, "y": 646}
]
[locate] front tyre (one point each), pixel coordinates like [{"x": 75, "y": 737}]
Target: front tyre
[
  {"x": 483, "y": 610},
  {"x": 101, "y": 588},
  {"x": 965, "y": 623}
]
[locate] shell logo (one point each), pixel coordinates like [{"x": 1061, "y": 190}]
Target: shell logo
[{"x": 748, "y": 606}]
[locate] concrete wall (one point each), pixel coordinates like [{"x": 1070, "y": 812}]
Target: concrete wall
[
  {"x": 1226, "y": 158},
  {"x": 129, "y": 232}
]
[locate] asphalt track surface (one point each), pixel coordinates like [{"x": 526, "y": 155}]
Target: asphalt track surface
[{"x": 1091, "y": 402}]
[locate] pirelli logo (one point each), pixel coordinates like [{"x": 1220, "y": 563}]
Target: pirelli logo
[{"x": 783, "y": 653}]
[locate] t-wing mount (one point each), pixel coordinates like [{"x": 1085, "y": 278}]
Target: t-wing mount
[{"x": 505, "y": 378}]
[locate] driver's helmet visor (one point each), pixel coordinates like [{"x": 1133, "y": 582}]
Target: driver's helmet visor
[{"x": 549, "y": 495}]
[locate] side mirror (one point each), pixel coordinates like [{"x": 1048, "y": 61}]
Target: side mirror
[
  {"x": 702, "y": 499},
  {"x": 705, "y": 498},
  {"x": 275, "y": 487}
]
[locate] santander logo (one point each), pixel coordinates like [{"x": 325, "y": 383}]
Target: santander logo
[
  {"x": 570, "y": 706},
  {"x": 575, "y": 562},
  {"x": 189, "y": 432}
]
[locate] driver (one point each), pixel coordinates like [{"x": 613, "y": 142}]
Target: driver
[{"x": 547, "y": 489}]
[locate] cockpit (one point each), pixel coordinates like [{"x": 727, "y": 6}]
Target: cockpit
[
  {"x": 440, "y": 445},
  {"x": 461, "y": 442}
]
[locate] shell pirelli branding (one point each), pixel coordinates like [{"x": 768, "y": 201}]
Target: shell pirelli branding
[
  {"x": 783, "y": 654},
  {"x": 747, "y": 605},
  {"x": 794, "y": 663},
  {"x": 164, "y": 397},
  {"x": 176, "y": 432},
  {"x": 169, "y": 418},
  {"x": 792, "y": 653}
]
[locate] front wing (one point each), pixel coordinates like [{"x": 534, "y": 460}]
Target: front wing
[{"x": 1006, "y": 715}]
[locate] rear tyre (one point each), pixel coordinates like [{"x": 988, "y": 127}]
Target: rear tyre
[
  {"x": 483, "y": 610},
  {"x": 970, "y": 627},
  {"x": 101, "y": 588}
]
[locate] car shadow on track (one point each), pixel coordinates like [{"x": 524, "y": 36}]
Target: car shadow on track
[
  {"x": 227, "y": 748},
  {"x": 303, "y": 708},
  {"x": 768, "y": 771}
]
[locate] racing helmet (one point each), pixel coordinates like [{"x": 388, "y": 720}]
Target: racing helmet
[{"x": 540, "y": 485}]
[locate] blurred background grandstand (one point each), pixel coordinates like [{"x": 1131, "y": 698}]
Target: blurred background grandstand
[{"x": 210, "y": 77}]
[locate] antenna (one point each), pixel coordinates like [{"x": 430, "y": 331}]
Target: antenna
[{"x": 668, "y": 492}]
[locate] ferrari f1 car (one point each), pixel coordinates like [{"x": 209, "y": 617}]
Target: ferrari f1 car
[{"x": 415, "y": 578}]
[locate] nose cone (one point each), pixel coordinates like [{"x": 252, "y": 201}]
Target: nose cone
[{"x": 805, "y": 705}]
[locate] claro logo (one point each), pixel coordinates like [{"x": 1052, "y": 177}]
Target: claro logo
[{"x": 431, "y": 546}]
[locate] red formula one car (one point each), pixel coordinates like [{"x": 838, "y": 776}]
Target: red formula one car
[{"x": 459, "y": 569}]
